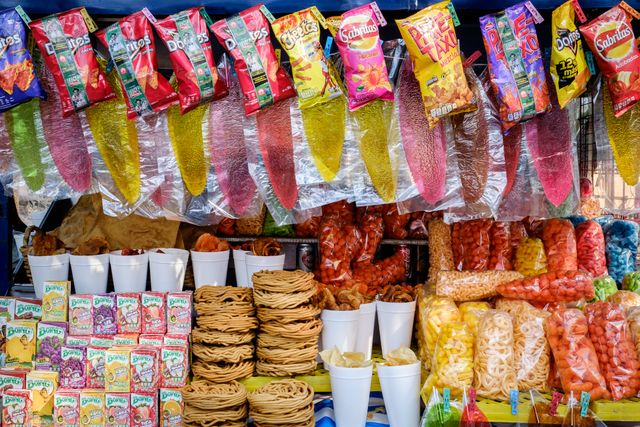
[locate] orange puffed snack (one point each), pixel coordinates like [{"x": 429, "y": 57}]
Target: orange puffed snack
[
  {"x": 554, "y": 286},
  {"x": 559, "y": 240}
]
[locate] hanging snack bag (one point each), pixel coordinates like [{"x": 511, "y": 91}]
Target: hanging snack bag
[
  {"x": 358, "y": 39},
  {"x": 610, "y": 37},
  {"x": 63, "y": 40},
  {"x": 18, "y": 81},
  {"x": 432, "y": 43},
  {"x": 186, "y": 37},
  {"x": 132, "y": 50},
  {"x": 246, "y": 37},
  {"x": 515, "y": 63},
  {"x": 299, "y": 35},
  {"x": 569, "y": 69}
]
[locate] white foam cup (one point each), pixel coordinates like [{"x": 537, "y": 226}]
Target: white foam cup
[
  {"x": 48, "y": 268},
  {"x": 210, "y": 268},
  {"x": 129, "y": 272},
  {"x": 340, "y": 329},
  {"x": 168, "y": 269},
  {"x": 350, "y": 389},
  {"x": 256, "y": 263},
  {"x": 395, "y": 321},
  {"x": 366, "y": 323},
  {"x": 90, "y": 273},
  {"x": 401, "y": 392}
]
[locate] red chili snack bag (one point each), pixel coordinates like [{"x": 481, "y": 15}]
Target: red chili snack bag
[
  {"x": 475, "y": 240},
  {"x": 187, "y": 39},
  {"x": 590, "y": 244},
  {"x": 559, "y": 240},
  {"x": 66, "y": 48},
  {"x": 247, "y": 38},
  {"x": 554, "y": 286},
  {"x": 610, "y": 37},
  {"x": 132, "y": 50},
  {"x": 501, "y": 248}
]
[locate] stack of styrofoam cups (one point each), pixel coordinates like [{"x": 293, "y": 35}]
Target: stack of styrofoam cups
[
  {"x": 129, "y": 272},
  {"x": 210, "y": 268},
  {"x": 366, "y": 323},
  {"x": 395, "y": 321},
  {"x": 350, "y": 389},
  {"x": 90, "y": 273},
  {"x": 240, "y": 266},
  {"x": 401, "y": 392},
  {"x": 255, "y": 263},
  {"x": 168, "y": 269},
  {"x": 48, "y": 268},
  {"x": 340, "y": 329}
]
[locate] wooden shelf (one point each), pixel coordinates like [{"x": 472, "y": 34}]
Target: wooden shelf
[{"x": 298, "y": 240}]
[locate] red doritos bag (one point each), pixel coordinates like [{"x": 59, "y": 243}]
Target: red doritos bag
[
  {"x": 187, "y": 38},
  {"x": 247, "y": 39},
  {"x": 66, "y": 48},
  {"x": 132, "y": 50}
]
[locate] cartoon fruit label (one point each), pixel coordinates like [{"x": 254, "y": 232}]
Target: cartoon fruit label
[
  {"x": 129, "y": 317},
  {"x": 118, "y": 406},
  {"x": 78, "y": 341},
  {"x": 116, "y": 372},
  {"x": 43, "y": 385},
  {"x": 144, "y": 409},
  {"x": 154, "y": 340},
  {"x": 92, "y": 410},
  {"x": 80, "y": 315},
  {"x": 66, "y": 408},
  {"x": 7, "y": 308},
  {"x": 104, "y": 314},
  {"x": 179, "y": 308},
  {"x": 95, "y": 367},
  {"x": 154, "y": 318},
  {"x": 101, "y": 341},
  {"x": 21, "y": 343},
  {"x": 610, "y": 37},
  {"x": 73, "y": 367},
  {"x": 54, "y": 301},
  {"x": 174, "y": 366},
  {"x": 171, "y": 408},
  {"x": 175, "y": 339},
  {"x": 16, "y": 408},
  {"x": 28, "y": 309},
  {"x": 10, "y": 378},
  {"x": 144, "y": 369},
  {"x": 49, "y": 341}
]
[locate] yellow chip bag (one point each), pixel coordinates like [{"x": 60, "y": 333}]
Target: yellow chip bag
[
  {"x": 299, "y": 35},
  {"x": 433, "y": 45},
  {"x": 569, "y": 68}
]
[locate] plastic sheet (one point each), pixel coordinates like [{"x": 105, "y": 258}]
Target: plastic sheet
[
  {"x": 530, "y": 257},
  {"x": 559, "y": 241},
  {"x": 440, "y": 250},
  {"x": 590, "y": 245},
  {"x": 501, "y": 247},
  {"x": 621, "y": 248},
  {"x": 472, "y": 285},
  {"x": 418, "y": 224},
  {"x": 187, "y": 135},
  {"x": 559, "y": 286},
  {"x": 308, "y": 228},
  {"x": 574, "y": 353},
  {"x": 472, "y": 416},
  {"x": 614, "y": 346}
]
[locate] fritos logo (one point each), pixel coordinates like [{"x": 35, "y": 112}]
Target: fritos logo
[{"x": 613, "y": 41}]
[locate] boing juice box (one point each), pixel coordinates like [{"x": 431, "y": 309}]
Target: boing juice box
[
  {"x": 117, "y": 370},
  {"x": 174, "y": 339},
  {"x": 92, "y": 410},
  {"x": 104, "y": 315},
  {"x": 102, "y": 341},
  {"x": 12, "y": 378},
  {"x": 16, "y": 408},
  {"x": 144, "y": 409},
  {"x": 80, "y": 315},
  {"x": 66, "y": 408},
  {"x": 95, "y": 367},
  {"x": 55, "y": 298},
  {"x": 154, "y": 316},
  {"x": 28, "y": 309},
  {"x": 174, "y": 366},
  {"x": 154, "y": 340},
  {"x": 7, "y": 308},
  {"x": 171, "y": 408},
  {"x": 144, "y": 369},
  {"x": 118, "y": 406},
  {"x": 179, "y": 308},
  {"x": 78, "y": 340},
  {"x": 73, "y": 367},
  {"x": 21, "y": 343},
  {"x": 125, "y": 339},
  {"x": 50, "y": 338},
  {"x": 43, "y": 385},
  {"x": 129, "y": 313}
]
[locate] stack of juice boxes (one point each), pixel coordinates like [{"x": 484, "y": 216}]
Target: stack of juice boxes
[{"x": 94, "y": 360}]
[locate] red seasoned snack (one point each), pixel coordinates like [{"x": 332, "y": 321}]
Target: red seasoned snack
[
  {"x": 554, "y": 286},
  {"x": 384, "y": 272},
  {"x": 575, "y": 356},
  {"x": 419, "y": 223},
  {"x": 559, "y": 241},
  {"x": 132, "y": 49},
  {"x": 341, "y": 208},
  {"x": 395, "y": 224},
  {"x": 247, "y": 38},
  {"x": 226, "y": 227},
  {"x": 518, "y": 233},
  {"x": 63, "y": 40},
  {"x": 475, "y": 244},
  {"x": 456, "y": 245},
  {"x": 308, "y": 228},
  {"x": 590, "y": 244},
  {"x": 371, "y": 231},
  {"x": 501, "y": 247},
  {"x": 338, "y": 244}
]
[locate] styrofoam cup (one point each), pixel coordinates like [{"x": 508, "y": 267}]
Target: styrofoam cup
[
  {"x": 366, "y": 322},
  {"x": 129, "y": 272},
  {"x": 401, "y": 393},
  {"x": 350, "y": 389},
  {"x": 168, "y": 269},
  {"x": 340, "y": 329},
  {"x": 210, "y": 268},
  {"x": 48, "y": 268},
  {"x": 240, "y": 266},
  {"x": 90, "y": 273},
  {"x": 395, "y": 321},
  {"x": 258, "y": 263}
]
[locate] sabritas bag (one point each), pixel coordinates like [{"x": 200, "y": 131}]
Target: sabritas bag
[
  {"x": 610, "y": 37},
  {"x": 187, "y": 39},
  {"x": 247, "y": 39},
  {"x": 63, "y": 40},
  {"x": 132, "y": 50}
]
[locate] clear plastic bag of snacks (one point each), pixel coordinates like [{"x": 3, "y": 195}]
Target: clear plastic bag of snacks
[
  {"x": 501, "y": 249},
  {"x": 471, "y": 312},
  {"x": 559, "y": 241},
  {"x": 472, "y": 285},
  {"x": 590, "y": 245},
  {"x": 530, "y": 257},
  {"x": 555, "y": 286},
  {"x": 434, "y": 314},
  {"x": 440, "y": 251},
  {"x": 604, "y": 287},
  {"x": 633, "y": 320},
  {"x": 627, "y": 299},
  {"x": 621, "y": 248},
  {"x": 476, "y": 243}
]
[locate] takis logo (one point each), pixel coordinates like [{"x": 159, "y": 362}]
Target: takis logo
[
  {"x": 292, "y": 35},
  {"x": 567, "y": 39},
  {"x": 9, "y": 41},
  {"x": 187, "y": 41},
  {"x": 608, "y": 40},
  {"x": 74, "y": 43}
]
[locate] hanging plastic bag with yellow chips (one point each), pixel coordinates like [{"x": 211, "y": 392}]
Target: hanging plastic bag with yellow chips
[
  {"x": 433, "y": 45},
  {"x": 569, "y": 68}
]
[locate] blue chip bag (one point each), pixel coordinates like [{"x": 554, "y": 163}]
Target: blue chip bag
[{"x": 18, "y": 81}]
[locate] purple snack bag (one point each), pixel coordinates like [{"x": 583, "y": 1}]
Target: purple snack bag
[
  {"x": 72, "y": 367},
  {"x": 104, "y": 314},
  {"x": 18, "y": 81}
]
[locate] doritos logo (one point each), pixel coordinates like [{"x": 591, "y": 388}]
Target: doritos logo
[
  {"x": 179, "y": 44},
  {"x": 567, "y": 39},
  {"x": 9, "y": 41},
  {"x": 73, "y": 43},
  {"x": 290, "y": 36},
  {"x": 256, "y": 35}
]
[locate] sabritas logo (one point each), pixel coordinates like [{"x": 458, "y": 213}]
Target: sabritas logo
[
  {"x": 184, "y": 43},
  {"x": 614, "y": 41},
  {"x": 359, "y": 31},
  {"x": 290, "y": 37},
  {"x": 441, "y": 38},
  {"x": 9, "y": 41},
  {"x": 74, "y": 43}
]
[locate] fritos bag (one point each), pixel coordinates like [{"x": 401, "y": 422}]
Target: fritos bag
[
  {"x": 246, "y": 37},
  {"x": 66, "y": 48},
  {"x": 569, "y": 69},
  {"x": 299, "y": 35},
  {"x": 187, "y": 39},
  {"x": 432, "y": 43},
  {"x": 18, "y": 81},
  {"x": 132, "y": 49},
  {"x": 358, "y": 39},
  {"x": 610, "y": 37}
]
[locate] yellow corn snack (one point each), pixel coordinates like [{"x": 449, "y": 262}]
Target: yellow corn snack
[
  {"x": 471, "y": 312},
  {"x": 624, "y": 137},
  {"x": 185, "y": 132},
  {"x": 434, "y": 312},
  {"x": 530, "y": 257}
]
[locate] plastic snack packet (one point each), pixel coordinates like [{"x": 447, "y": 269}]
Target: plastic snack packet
[
  {"x": 604, "y": 287},
  {"x": 66, "y": 48},
  {"x": 439, "y": 413},
  {"x": 358, "y": 39},
  {"x": 542, "y": 411},
  {"x": 187, "y": 140},
  {"x": 26, "y": 142},
  {"x": 554, "y": 286},
  {"x": 246, "y": 37},
  {"x": 132, "y": 49},
  {"x": 559, "y": 240},
  {"x": 610, "y": 37},
  {"x": 187, "y": 39},
  {"x": 621, "y": 248},
  {"x": 18, "y": 81},
  {"x": 472, "y": 416},
  {"x": 626, "y": 299},
  {"x": 432, "y": 43},
  {"x": 590, "y": 245},
  {"x": 530, "y": 257}
]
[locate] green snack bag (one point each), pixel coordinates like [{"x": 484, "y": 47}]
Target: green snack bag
[
  {"x": 441, "y": 412},
  {"x": 631, "y": 282},
  {"x": 271, "y": 229},
  {"x": 605, "y": 286}
]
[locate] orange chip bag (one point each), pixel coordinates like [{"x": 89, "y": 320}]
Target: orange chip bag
[{"x": 432, "y": 43}]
